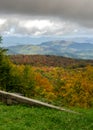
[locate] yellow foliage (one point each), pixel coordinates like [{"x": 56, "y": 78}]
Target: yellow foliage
[{"x": 72, "y": 87}]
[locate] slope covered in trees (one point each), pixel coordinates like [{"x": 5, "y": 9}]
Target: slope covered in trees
[
  {"x": 58, "y": 81},
  {"x": 48, "y": 60},
  {"x": 56, "y": 85}
]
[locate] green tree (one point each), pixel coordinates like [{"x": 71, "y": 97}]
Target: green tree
[{"x": 5, "y": 68}]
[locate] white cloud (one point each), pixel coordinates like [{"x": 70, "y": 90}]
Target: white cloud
[
  {"x": 2, "y": 21},
  {"x": 38, "y": 26},
  {"x": 11, "y": 25}
]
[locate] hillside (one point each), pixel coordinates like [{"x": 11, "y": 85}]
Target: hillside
[
  {"x": 60, "y": 48},
  {"x": 49, "y": 60}
]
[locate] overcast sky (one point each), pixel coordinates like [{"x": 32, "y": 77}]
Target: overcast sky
[{"x": 46, "y": 17}]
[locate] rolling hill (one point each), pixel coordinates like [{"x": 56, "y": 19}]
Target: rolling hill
[{"x": 60, "y": 48}]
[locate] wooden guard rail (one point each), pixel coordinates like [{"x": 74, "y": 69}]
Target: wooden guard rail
[{"x": 11, "y": 98}]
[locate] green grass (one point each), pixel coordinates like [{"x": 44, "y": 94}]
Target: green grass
[{"x": 21, "y": 117}]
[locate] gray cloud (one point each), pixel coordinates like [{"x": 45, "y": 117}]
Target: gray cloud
[{"x": 80, "y": 11}]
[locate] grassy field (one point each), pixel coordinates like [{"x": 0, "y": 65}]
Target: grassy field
[{"x": 21, "y": 117}]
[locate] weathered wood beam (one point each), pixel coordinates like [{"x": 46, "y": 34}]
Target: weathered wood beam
[{"x": 11, "y": 98}]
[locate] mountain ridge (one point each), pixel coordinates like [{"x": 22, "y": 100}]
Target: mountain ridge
[{"x": 60, "y": 48}]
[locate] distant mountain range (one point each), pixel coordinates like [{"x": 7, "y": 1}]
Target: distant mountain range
[{"x": 60, "y": 48}]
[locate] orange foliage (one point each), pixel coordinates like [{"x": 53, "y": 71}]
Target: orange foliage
[{"x": 73, "y": 87}]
